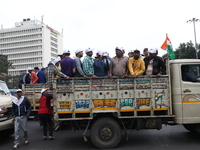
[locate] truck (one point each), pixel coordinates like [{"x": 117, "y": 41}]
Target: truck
[
  {"x": 6, "y": 119},
  {"x": 106, "y": 106}
]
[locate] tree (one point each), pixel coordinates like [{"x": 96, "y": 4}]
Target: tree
[
  {"x": 186, "y": 51},
  {"x": 5, "y": 65}
]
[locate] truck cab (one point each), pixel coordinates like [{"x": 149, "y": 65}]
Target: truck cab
[
  {"x": 186, "y": 93},
  {"x": 6, "y": 119}
]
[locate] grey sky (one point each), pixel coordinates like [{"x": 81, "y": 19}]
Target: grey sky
[{"x": 105, "y": 24}]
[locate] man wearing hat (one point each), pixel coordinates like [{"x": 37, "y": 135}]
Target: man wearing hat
[
  {"x": 79, "y": 66},
  {"x": 118, "y": 64},
  {"x": 21, "y": 109},
  {"x": 45, "y": 114},
  {"x": 101, "y": 65},
  {"x": 130, "y": 53},
  {"x": 154, "y": 65},
  {"x": 136, "y": 64},
  {"x": 34, "y": 77},
  {"x": 68, "y": 65},
  {"x": 88, "y": 64}
]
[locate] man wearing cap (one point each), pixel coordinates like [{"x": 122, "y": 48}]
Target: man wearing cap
[
  {"x": 21, "y": 109},
  {"x": 154, "y": 65},
  {"x": 68, "y": 65},
  {"x": 41, "y": 76},
  {"x": 118, "y": 64},
  {"x": 101, "y": 65},
  {"x": 45, "y": 114},
  {"x": 136, "y": 64},
  {"x": 88, "y": 65},
  {"x": 79, "y": 66},
  {"x": 130, "y": 53},
  {"x": 50, "y": 73},
  {"x": 34, "y": 77}
]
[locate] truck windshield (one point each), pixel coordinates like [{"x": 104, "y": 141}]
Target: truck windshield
[{"x": 4, "y": 87}]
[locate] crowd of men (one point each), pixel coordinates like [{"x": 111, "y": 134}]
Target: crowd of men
[{"x": 102, "y": 65}]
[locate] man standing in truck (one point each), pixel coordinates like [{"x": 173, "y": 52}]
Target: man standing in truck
[
  {"x": 21, "y": 109},
  {"x": 79, "y": 66},
  {"x": 136, "y": 64},
  {"x": 118, "y": 64},
  {"x": 154, "y": 65},
  {"x": 88, "y": 64}
]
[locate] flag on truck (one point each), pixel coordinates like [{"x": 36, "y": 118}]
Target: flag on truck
[{"x": 167, "y": 45}]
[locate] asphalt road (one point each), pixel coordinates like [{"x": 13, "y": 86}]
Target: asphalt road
[{"x": 168, "y": 138}]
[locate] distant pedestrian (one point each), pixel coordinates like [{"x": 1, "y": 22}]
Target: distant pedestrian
[
  {"x": 45, "y": 114},
  {"x": 21, "y": 109}
]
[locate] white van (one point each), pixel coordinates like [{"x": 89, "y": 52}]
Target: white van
[{"x": 6, "y": 119}]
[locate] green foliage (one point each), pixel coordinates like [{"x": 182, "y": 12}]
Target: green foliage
[
  {"x": 185, "y": 51},
  {"x": 5, "y": 65}
]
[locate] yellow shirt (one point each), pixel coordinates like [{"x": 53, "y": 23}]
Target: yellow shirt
[{"x": 136, "y": 66}]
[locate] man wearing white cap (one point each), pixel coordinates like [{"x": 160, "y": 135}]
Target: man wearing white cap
[
  {"x": 21, "y": 109},
  {"x": 154, "y": 65},
  {"x": 79, "y": 66},
  {"x": 68, "y": 65},
  {"x": 101, "y": 65},
  {"x": 34, "y": 77},
  {"x": 118, "y": 64},
  {"x": 88, "y": 64},
  {"x": 130, "y": 53},
  {"x": 45, "y": 114}
]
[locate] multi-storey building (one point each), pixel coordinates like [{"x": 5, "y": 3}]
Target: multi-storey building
[{"x": 30, "y": 43}]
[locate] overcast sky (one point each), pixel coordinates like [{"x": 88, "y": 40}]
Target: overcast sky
[{"x": 105, "y": 24}]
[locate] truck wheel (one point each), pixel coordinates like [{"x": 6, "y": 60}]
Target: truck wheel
[
  {"x": 105, "y": 133},
  {"x": 192, "y": 127}
]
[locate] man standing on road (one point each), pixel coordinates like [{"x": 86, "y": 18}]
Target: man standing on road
[
  {"x": 21, "y": 109},
  {"x": 45, "y": 113}
]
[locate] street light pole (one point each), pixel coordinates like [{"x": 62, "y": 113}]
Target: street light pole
[{"x": 194, "y": 20}]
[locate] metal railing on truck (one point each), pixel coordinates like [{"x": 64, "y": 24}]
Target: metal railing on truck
[{"x": 142, "y": 97}]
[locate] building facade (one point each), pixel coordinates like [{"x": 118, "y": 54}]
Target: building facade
[{"x": 30, "y": 43}]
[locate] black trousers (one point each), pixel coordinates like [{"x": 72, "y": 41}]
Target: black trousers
[{"x": 47, "y": 124}]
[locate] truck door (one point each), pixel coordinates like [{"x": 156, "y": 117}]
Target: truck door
[{"x": 190, "y": 93}]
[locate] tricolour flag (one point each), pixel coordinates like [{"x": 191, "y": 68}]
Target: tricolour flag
[{"x": 167, "y": 45}]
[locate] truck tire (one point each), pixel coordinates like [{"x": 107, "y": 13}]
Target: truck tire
[
  {"x": 105, "y": 133},
  {"x": 192, "y": 127}
]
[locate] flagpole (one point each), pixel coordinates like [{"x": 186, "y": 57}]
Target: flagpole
[{"x": 194, "y": 20}]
